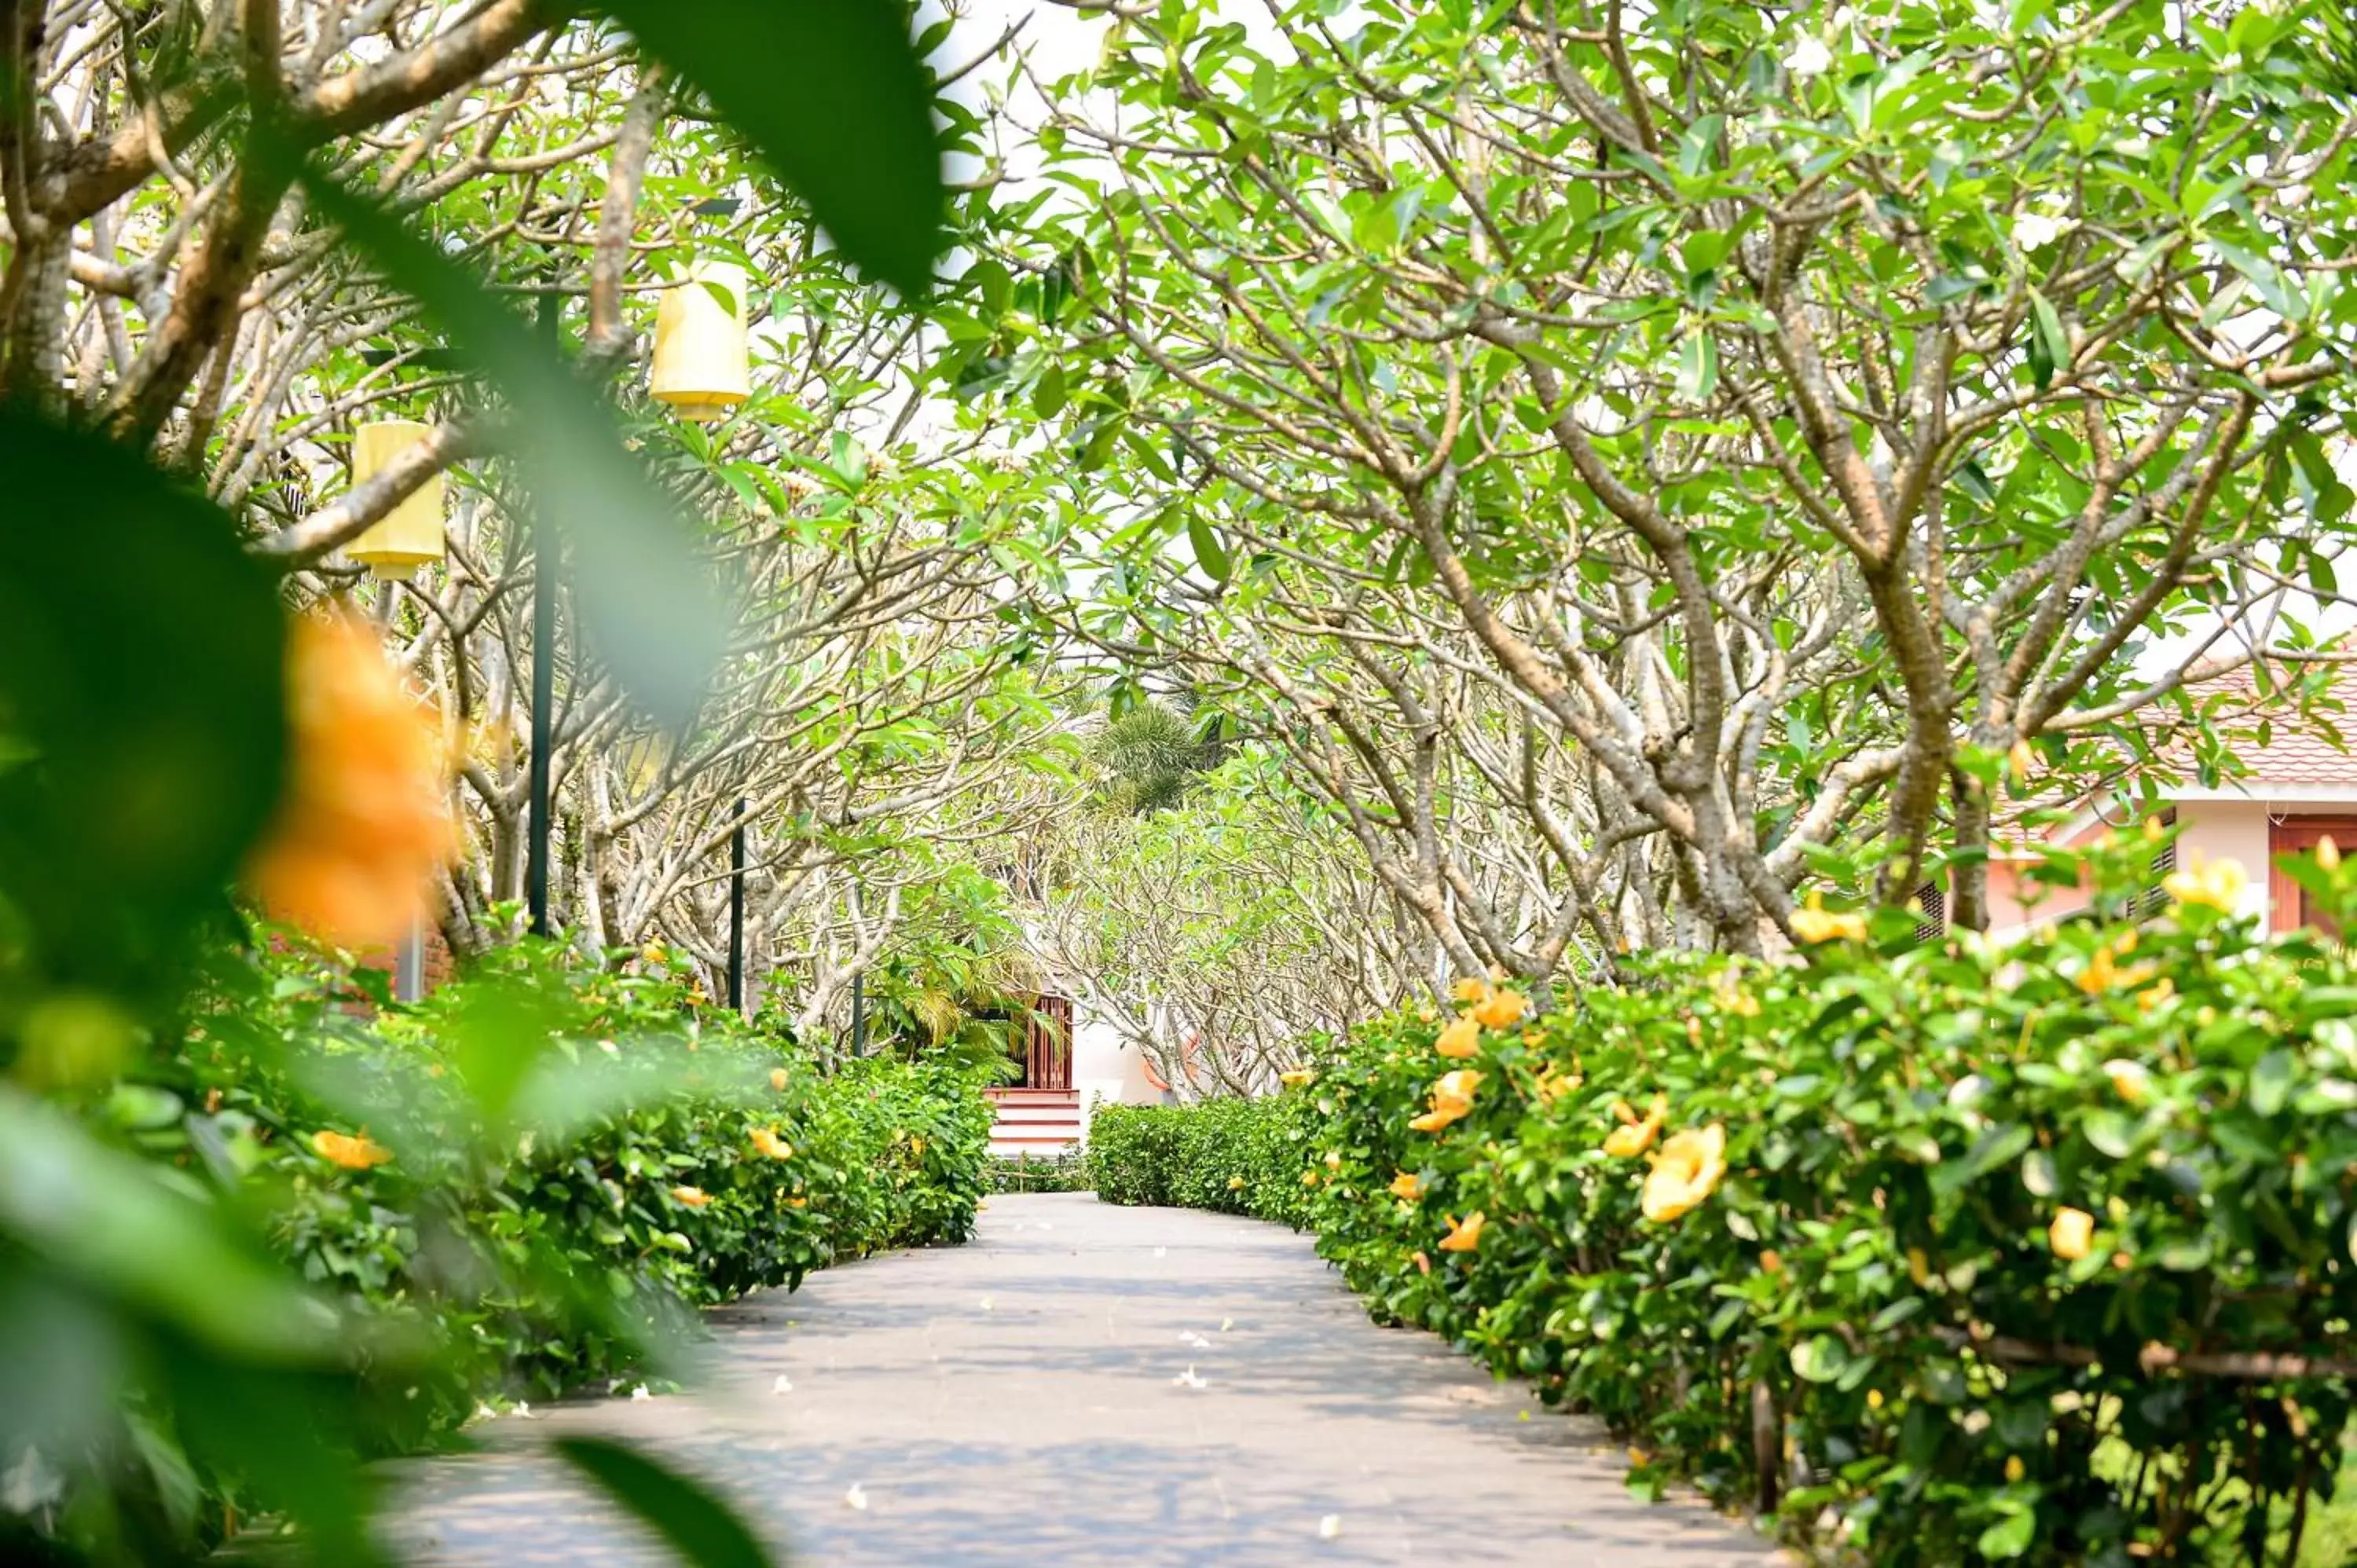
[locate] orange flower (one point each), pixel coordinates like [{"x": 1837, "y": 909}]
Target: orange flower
[
  {"x": 766, "y": 1140},
  {"x": 1635, "y": 1137},
  {"x": 1423, "y": 1264},
  {"x": 1470, "y": 989},
  {"x": 362, "y": 823},
  {"x": 778, "y": 1077},
  {"x": 1407, "y": 1185},
  {"x": 1686, "y": 1171},
  {"x": 1771, "y": 1261},
  {"x": 694, "y": 1197},
  {"x": 1465, "y": 1234},
  {"x": 1727, "y": 989},
  {"x": 1460, "y": 1040},
  {"x": 354, "y": 1153},
  {"x": 1500, "y": 1010},
  {"x": 1296, "y": 1077},
  {"x": 1452, "y": 1100},
  {"x": 2217, "y": 883}
]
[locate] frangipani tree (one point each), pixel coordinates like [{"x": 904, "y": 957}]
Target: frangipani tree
[{"x": 1800, "y": 411}]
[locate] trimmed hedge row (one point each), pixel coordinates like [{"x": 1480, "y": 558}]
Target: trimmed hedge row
[
  {"x": 548, "y": 1168},
  {"x": 1237, "y": 1156},
  {"x": 1946, "y": 1253}
]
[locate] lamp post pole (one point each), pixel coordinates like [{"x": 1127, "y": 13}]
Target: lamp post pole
[
  {"x": 859, "y": 1013},
  {"x": 737, "y": 913},
  {"x": 543, "y": 682}
]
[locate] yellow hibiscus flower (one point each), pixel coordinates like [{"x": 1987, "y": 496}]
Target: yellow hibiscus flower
[
  {"x": 1407, "y": 1185},
  {"x": 1465, "y": 1234},
  {"x": 2070, "y": 1233},
  {"x": 1470, "y": 989},
  {"x": 1686, "y": 1171},
  {"x": 1452, "y": 1100},
  {"x": 1815, "y": 923},
  {"x": 1460, "y": 1040},
  {"x": 2219, "y": 884},
  {"x": 765, "y": 1139},
  {"x": 1500, "y": 1009},
  {"x": 1633, "y": 1137},
  {"x": 354, "y": 1153}
]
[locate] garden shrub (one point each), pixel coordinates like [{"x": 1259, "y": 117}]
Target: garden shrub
[
  {"x": 1237, "y": 1156},
  {"x": 560, "y": 1164},
  {"x": 1957, "y": 1250}
]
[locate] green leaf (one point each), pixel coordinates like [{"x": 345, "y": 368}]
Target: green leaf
[
  {"x": 1048, "y": 397},
  {"x": 2050, "y": 346},
  {"x": 651, "y": 610},
  {"x": 1820, "y": 1358},
  {"x": 1209, "y": 554},
  {"x": 2011, "y": 1536},
  {"x": 1697, "y": 368},
  {"x": 112, "y": 1222},
  {"x": 2271, "y": 1081},
  {"x": 832, "y": 94},
  {"x": 142, "y": 661},
  {"x": 702, "y": 1528}
]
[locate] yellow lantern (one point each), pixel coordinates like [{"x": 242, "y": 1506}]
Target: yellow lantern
[
  {"x": 410, "y": 535},
  {"x": 701, "y": 365}
]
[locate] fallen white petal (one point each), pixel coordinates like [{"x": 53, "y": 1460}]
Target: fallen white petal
[
  {"x": 856, "y": 1497},
  {"x": 1188, "y": 1380},
  {"x": 1226, "y": 1324},
  {"x": 1330, "y": 1527},
  {"x": 640, "y": 1393},
  {"x": 784, "y": 1385},
  {"x": 1194, "y": 1340},
  {"x": 986, "y": 1303},
  {"x": 1161, "y": 1251},
  {"x": 522, "y": 1411}
]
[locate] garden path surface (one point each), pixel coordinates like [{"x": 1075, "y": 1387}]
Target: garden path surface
[{"x": 1047, "y": 1429}]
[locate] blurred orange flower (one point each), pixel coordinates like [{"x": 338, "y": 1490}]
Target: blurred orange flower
[
  {"x": 363, "y": 824},
  {"x": 1500, "y": 1009},
  {"x": 694, "y": 1197},
  {"x": 1635, "y": 1137},
  {"x": 1465, "y": 1234},
  {"x": 777, "y": 1078},
  {"x": 354, "y": 1153},
  {"x": 1470, "y": 989},
  {"x": 1452, "y": 1099},
  {"x": 1460, "y": 1040},
  {"x": 1408, "y": 1185},
  {"x": 765, "y": 1139}
]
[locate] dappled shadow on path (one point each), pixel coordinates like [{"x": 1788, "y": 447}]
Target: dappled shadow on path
[{"x": 1045, "y": 1426}]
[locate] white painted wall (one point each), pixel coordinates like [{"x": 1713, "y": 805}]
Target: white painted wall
[{"x": 1105, "y": 1070}]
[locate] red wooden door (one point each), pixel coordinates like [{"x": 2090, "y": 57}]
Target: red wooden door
[{"x": 1048, "y": 1043}]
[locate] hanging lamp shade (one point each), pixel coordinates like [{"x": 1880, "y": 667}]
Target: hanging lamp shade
[
  {"x": 701, "y": 365},
  {"x": 410, "y": 535}
]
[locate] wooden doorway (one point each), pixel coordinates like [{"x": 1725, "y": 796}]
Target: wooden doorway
[
  {"x": 1047, "y": 1043},
  {"x": 2289, "y": 905}
]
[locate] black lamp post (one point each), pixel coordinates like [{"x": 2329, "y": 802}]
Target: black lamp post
[
  {"x": 737, "y": 913},
  {"x": 543, "y": 680}
]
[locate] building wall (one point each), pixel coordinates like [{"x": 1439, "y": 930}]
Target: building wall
[
  {"x": 2213, "y": 830},
  {"x": 1105, "y": 1070}
]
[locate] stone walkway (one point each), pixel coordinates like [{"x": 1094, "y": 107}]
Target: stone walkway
[{"x": 1013, "y": 1401}]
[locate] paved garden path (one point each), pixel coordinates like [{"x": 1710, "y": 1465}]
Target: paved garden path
[{"x": 1012, "y": 1401}]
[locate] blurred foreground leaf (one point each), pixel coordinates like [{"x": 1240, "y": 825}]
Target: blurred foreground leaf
[
  {"x": 832, "y": 94},
  {"x": 702, "y": 1528},
  {"x": 142, "y": 693}
]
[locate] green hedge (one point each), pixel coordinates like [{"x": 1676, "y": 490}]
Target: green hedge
[
  {"x": 1237, "y": 1156},
  {"x": 548, "y": 1169},
  {"x": 2042, "y": 1253}
]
